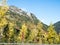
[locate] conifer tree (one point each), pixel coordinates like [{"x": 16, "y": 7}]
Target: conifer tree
[
  {"x": 10, "y": 33},
  {"x": 3, "y": 21},
  {"x": 33, "y": 35},
  {"x": 22, "y": 34},
  {"x": 42, "y": 34},
  {"x": 39, "y": 27},
  {"x": 59, "y": 38},
  {"x": 52, "y": 35}
]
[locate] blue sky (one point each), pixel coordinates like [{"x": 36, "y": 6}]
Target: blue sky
[{"x": 45, "y": 10}]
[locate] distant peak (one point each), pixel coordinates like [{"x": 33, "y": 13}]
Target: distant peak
[{"x": 57, "y": 22}]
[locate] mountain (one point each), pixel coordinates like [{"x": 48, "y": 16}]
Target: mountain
[
  {"x": 17, "y": 25},
  {"x": 20, "y": 16},
  {"x": 13, "y": 20},
  {"x": 57, "y": 26}
]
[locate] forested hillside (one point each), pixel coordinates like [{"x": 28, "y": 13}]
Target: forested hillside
[{"x": 18, "y": 26}]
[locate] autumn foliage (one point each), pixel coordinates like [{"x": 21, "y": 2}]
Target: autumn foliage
[{"x": 30, "y": 33}]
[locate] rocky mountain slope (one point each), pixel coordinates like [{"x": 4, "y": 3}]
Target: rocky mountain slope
[
  {"x": 20, "y": 16},
  {"x": 57, "y": 26}
]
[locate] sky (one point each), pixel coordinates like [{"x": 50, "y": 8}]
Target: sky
[{"x": 46, "y": 11}]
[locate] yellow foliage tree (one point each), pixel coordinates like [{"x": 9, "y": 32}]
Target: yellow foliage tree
[
  {"x": 33, "y": 35},
  {"x": 39, "y": 27},
  {"x": 22, "y": 34},
  {"x": 10, "y": 33},
  {"x": 42, "y": 34},
  {"x": 3, "y": 20},
  {"x": 3, "y": 10},
  {"x": 59, "y": 38},
  {"x": 52, "y": 35}
]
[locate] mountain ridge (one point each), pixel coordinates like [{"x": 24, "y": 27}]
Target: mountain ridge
[
  {"x": 19, "y": 16},
  {"x": 28, "y": 17},
  {"x": 57, "y": 26}
]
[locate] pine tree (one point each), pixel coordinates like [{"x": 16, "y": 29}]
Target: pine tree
[
  {"x": 33, "y": 35},
  {"x": 59, "y": 38},
  {"x": 22, "y": 34},
  {"x": 52, "y": 35},
  {"x": 42, "y": 34},
  {"x": 3, "y": 21},
  {"x": 39, "y": 27},
  {"x": 10, "y": 33},
  {"x": 3, "y": 10}
]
